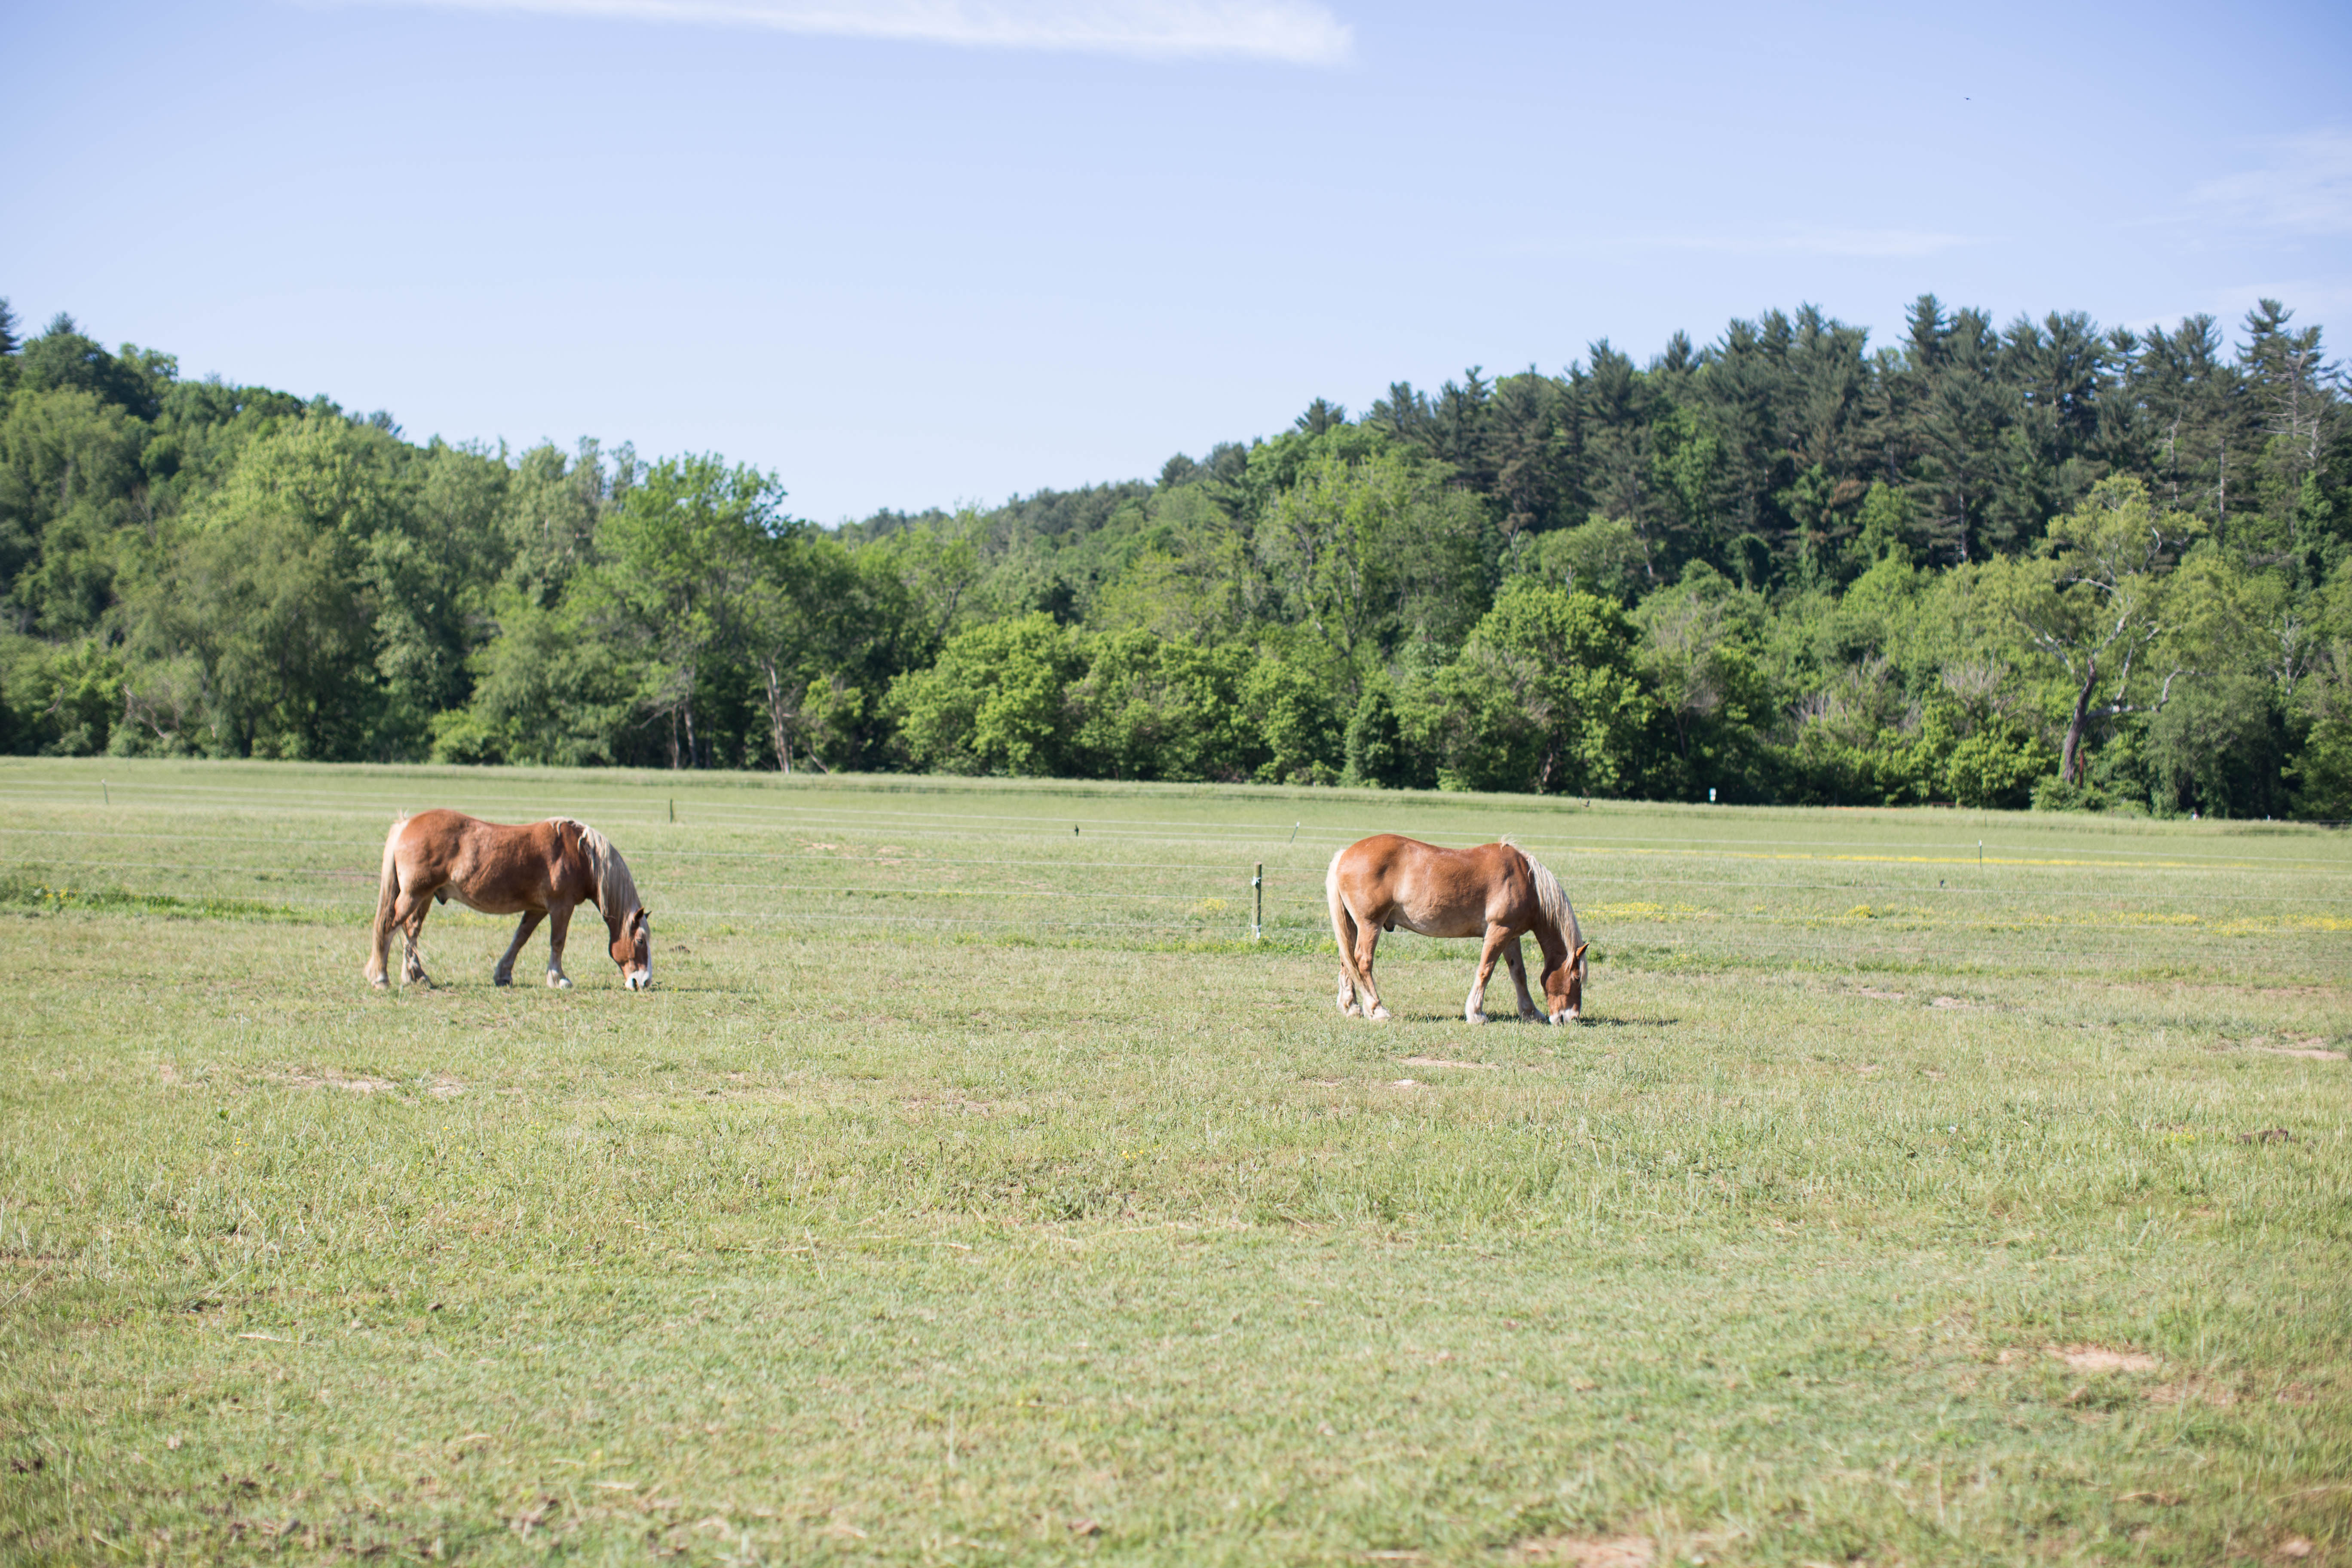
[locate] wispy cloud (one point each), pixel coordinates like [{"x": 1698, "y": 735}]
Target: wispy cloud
[
  {"x": 1298, "y": 31},
  {"x": 2303, "y": 186}
]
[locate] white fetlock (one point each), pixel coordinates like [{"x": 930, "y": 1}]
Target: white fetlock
[{"x": 1379, "y": 1014}]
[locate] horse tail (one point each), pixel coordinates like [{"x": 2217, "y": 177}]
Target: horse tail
[
  {"x": 1343, "y": 924},
  {"x": 387, "y": 894}
]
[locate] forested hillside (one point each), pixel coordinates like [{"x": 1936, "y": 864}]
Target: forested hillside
[{"x": 2044, "y": 564}]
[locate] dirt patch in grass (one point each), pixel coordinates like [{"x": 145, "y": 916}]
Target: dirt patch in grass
[
  {"x": 1447, "y": 1062},
  {"x": 1588, "y": 1551},
  {"x": 350, "y": 1083},
  {"x": 1881, "y": 995},
  {"x": 2310, "y": 1048},
  {"x": 2196, "y": 1391},
  {"x": 2099, "y": 1358},
  {"x": 441, "y": 1087}
]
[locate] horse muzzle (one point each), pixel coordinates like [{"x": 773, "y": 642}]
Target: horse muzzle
[{"x": 639, "y": 980}]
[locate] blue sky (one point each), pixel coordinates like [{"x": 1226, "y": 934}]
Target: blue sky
[{"x": 913, "y": 252}]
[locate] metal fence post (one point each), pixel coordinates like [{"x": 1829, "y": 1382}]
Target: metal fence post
[{"x": 1257, "y": 903}]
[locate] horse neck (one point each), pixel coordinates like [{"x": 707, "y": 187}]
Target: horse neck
[
  {"x": 1553, "y": 940},
  {"x": 588, "y": 870},
  {"x": 613, "y": 918}
]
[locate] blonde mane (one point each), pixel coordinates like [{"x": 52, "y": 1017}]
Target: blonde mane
[
  {"x": 1553, "y": 900},
  {"x": 616, "y": 891}
]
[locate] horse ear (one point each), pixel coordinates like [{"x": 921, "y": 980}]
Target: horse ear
[
  {"x": 1579, "y": 956},
  {"x": 642, "y": 917}
]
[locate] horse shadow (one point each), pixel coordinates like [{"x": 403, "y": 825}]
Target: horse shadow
[{"x": 1507, "y": 1018}]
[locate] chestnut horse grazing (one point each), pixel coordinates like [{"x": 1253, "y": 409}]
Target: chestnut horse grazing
[
  {"x": 540, "y": 872},
  {"x": 1496, "y": 891}
]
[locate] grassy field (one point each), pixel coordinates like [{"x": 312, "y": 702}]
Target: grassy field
[{"x": 1924, "y": 1187}]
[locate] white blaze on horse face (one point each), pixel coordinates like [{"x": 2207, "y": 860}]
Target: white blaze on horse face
[{"x": 633, "y": 949}]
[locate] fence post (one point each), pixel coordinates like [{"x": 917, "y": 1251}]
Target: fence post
[{"x": 1257, "y": 903}]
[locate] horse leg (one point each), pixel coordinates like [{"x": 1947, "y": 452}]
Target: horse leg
[
  {"x": 504, "y": 974},
  {"x": 1345, "y": 923},
  {"x": 1368, "y": 938},
  {"x": 408, "y": 914},
  {"x": 1474, "y": 1010},
  {"x": 1529, "y": 1012},
  {"x": 558, "y": 921}
]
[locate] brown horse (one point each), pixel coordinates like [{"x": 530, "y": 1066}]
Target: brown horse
[
  {"x": 1496, "y": 891},
  {"x": 542, "y": 872}
]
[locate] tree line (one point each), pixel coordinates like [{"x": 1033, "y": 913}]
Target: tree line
[{"x": 2045, "y": 563}]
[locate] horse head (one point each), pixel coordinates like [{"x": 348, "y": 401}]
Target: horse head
[
  {"x": 633, "y": 949},
  {"x": 1563, "y": 987}
]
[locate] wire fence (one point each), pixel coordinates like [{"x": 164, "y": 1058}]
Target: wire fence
[{"x": 1596, "y": 837}]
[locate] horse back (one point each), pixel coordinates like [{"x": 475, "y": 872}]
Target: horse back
[
  {"x": 495, "y": 864},
  {"x": 1393, "y": 879}
]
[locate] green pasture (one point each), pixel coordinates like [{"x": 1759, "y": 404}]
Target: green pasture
[{"x": 1924, "y": 1187}]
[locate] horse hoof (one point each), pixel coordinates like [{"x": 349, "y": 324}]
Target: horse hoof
[
  {"x": 378, "y": 983},
  {"x": 1470, "y": 1017},
  {"x": 558, "y": 982},
  {"x": 502, "y": 980},
  {"x": 1379, "y": 1014}
]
